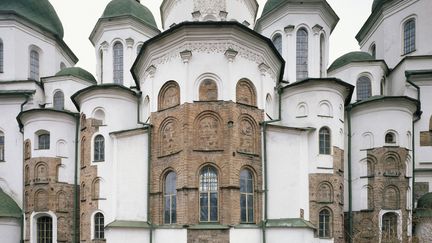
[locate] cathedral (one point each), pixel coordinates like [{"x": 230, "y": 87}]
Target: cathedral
[{"x": 221, "y": 127}]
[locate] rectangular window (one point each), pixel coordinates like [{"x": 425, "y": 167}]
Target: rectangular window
[
  {"x": 44, "y": 141},
  {"x": 409, "y": 36}
]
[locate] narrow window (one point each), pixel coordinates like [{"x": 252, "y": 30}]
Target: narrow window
[
  {"x": 373, "y": 51},
  {"x": 1, "y": 56},
  {"x": 139, "y": 48},
  {"x": 34, "y": 65},
  {"x": 44, "y": 230},
  {"x": 101, "y": 59},
  {"x": 322, "y": 56},
  {"x": 44, "y": 141},
  {"x": 58, "y": 100},
  {"x": 208, "y": 195},
  {"x": 324, "y": 223},
  {"x": 62, "y": 66},
  {"x": 364, "y": 89},
  {"x": 99, "y": 148},
  {"x": 390, "y": 138},
  {"x": 99, "y": 231},
  {"x": 170, "y": 193},
  {"x": 389, "y": 227},
  {"x": 277, "y": 42},
  {"x": 409, "y": 36},
  {"x": 324, "y": 141},
  {"x": 2, "y": 146},
  {"x": 246, "y": 197},
  {"x": 302, "y": 54},
  {"x": 118, "y": 63}
]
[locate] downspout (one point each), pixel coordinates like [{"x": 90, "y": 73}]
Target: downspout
[
  {"x": 350, "y": 216},
  {"x": 21, "y": 220},
  {"x": 76, "y": 200},
  {"x": 264, "y": 126},
  {"x": 149, "y": 127}
]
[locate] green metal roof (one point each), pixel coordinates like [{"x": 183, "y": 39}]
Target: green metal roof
[
  {"x": 77, "y": 72},
  {"x": 425, "y": 202},
  {"x": 117, "y": 8},
  {"x": 8, "y": 207},
  {"x": 289, "y": 223},
  {"x": 39, "y": 12},
  {"x": 378, "y": 3},
  {"x": 270, "y": 5},
  {"x": 355, "y": 56}
]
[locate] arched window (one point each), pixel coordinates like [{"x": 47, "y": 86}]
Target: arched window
[
  {"x": 302, "y": 54},
  {"x": 1, "y": 56},
  {"x": 101, "y": 59},
  {"x": 170, "y": 204},
  {"x": 44, "y": 230},
  {"x": 324, "y": 141},
  {"x": 364, "y": 88},
  {"x": 99, "y": 148},
  {"x": 58, "y": 100},
  {"x": 208, "y": 90},
  {"x": 99, "y": 231},
  {"x": 208, "y": 194},
  {"x": 322, "y": 55},
  {"x": 409, "y": 36},
  {"x": 372, "y": 50},
  {"x": 389, "y": 227},
  {"x": 118, "y": 63},
  {"x": 324, "y": 223},
  {"x": 370, "y": 199},
  {"x": 277, "y": 42},
  {"x": 2, "y": 146},
  {"x": 139, "y": 49},
  {"x": 246, "y": 197},
  {"x": 390, "y": 138},
  {"x": 43, "y": 139},
  {"x": 62, "y": 66},
  {"x": 34, "y": 65}
]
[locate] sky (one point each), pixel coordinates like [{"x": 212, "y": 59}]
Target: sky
[{"x": 80, "y": 16}]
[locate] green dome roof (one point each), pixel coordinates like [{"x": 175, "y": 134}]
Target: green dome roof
[
  {"x": 77, "y": 72},
  {"x": 8, "y": 207},
  {"x": 39, "y": 12},
  {"x": 117, "y": 8},
  {"x": 270, "y": 5},
  {"x": 355, "y": 56},
  {"x": 425, "y": 202}
]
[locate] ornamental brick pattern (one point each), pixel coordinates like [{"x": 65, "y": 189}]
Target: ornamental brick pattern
[
  {"x": 326, "y": 191},
  {"x": 206, "y": 133}
]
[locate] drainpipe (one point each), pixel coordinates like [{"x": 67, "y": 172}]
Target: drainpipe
[
  {"x": 149, "y": 127},
  {"x": 76, "y": 200},
  {"x": 350, "y": 217},
  {"x": 264, "y": 132}
]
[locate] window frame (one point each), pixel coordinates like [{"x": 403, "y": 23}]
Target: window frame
[
  {"x": 326, "y": 150},
  {"x": 210, "y": 169},
  {"x": 98, "y": 226},
  {"x": 56, "y": 100},
  {"x": 302, "y": 54},
  {"x": 46, "y": 144},
  {"x": 99, "y": 155},
  {"x": 118, "y": 63},
  {"x": 34, "y": 64},
  {"x": 172, "y": 198},
  {"x": 1, "y": 56},
  {"x": 384, "y": 224},
  {"x": 278, "y": 45},
  {"x": 409, "y": 36},
  {"x": 2, "y": 146},
  {"x": 372, "y": 50},
  {"x": 325, "y": 225},
  {"x": 363, "y": 87},
  {"x": 250, "y": 219},
  {"x": 47, "y": 229},
  {"x": 393, "y": 136}
]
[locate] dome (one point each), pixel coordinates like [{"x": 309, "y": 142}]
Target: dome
[
  {"x": 270, "y": 5},
  {"x": 39, "y": 12},
  {"x": 77, "y": 72},
  {"x": 425, "y": 202},
  {"x": 355, "y": 56},
  {"x": 117, "y": 8},
  {"x": 8, "y": 207}
]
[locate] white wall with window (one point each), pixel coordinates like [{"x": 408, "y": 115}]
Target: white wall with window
[{"x": 43, "y": 227}]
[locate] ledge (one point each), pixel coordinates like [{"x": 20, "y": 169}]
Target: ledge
[
  {"x": 247, "y": 154},
  {"x": 289, "y": 223},
  {"x": 128, "y": 224},
  {"x": 247, "y": 226},
  {"x": 208, "y": 226}
]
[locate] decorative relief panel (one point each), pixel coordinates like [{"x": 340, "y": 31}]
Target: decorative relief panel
[
  {"x": 247, "y": 135},
  {"x": 41, "y": 200},
  {"x": 324, "y": 193},
  {"x": 27, "y": 149},
  {"x": 41, "y": 172},
  {"x": 207, "y": 7},
  {"x": 62, "y": 203},
  {"x": 245, "y": 92},
  {"x": 208, "y": 90},
  {"x": 169, "y": 95},
  {"x": 208, "y": 132},
  {"x": 169, "y": 137}
]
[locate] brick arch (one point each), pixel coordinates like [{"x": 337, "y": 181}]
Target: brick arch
[
  {"x": 169, "y": 136},
  {"x": 62, "y": 202},
  {"x": 27, "y": 149},
  {"x": 208, "y": 90},
  {"x": 391, "y": 197},
  {"x": 95, "y": 188},
  {"x": 41, "y": 172},
  {"x": 246, "y": 92},
  {"x": 370, "y": 197},
  {"x": 41, "y": 200},
  {"x": 208, "y": 131},
  {"x": 325, "y": 192},
  {"x": 248, "y": 136},
  {"x": 391, "y": 164},
  {"x": 83, "y": 151},
  {"x": 169, "y": 95}
]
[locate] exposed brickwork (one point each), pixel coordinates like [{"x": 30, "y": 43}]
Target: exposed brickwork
[
  {"x": 206, "y": 133},
  {"x": 88, "y": 175},
  {"x": 245, "y": 92},
  {"x": 208, "y": 90},
  {"x": 326, "y": 192},
  {"x": 43, "y": 192},
  {"x": 389, "y": 186},
  {"x": 426, "y": 138},
  {"x": 208, "y": 236}
]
